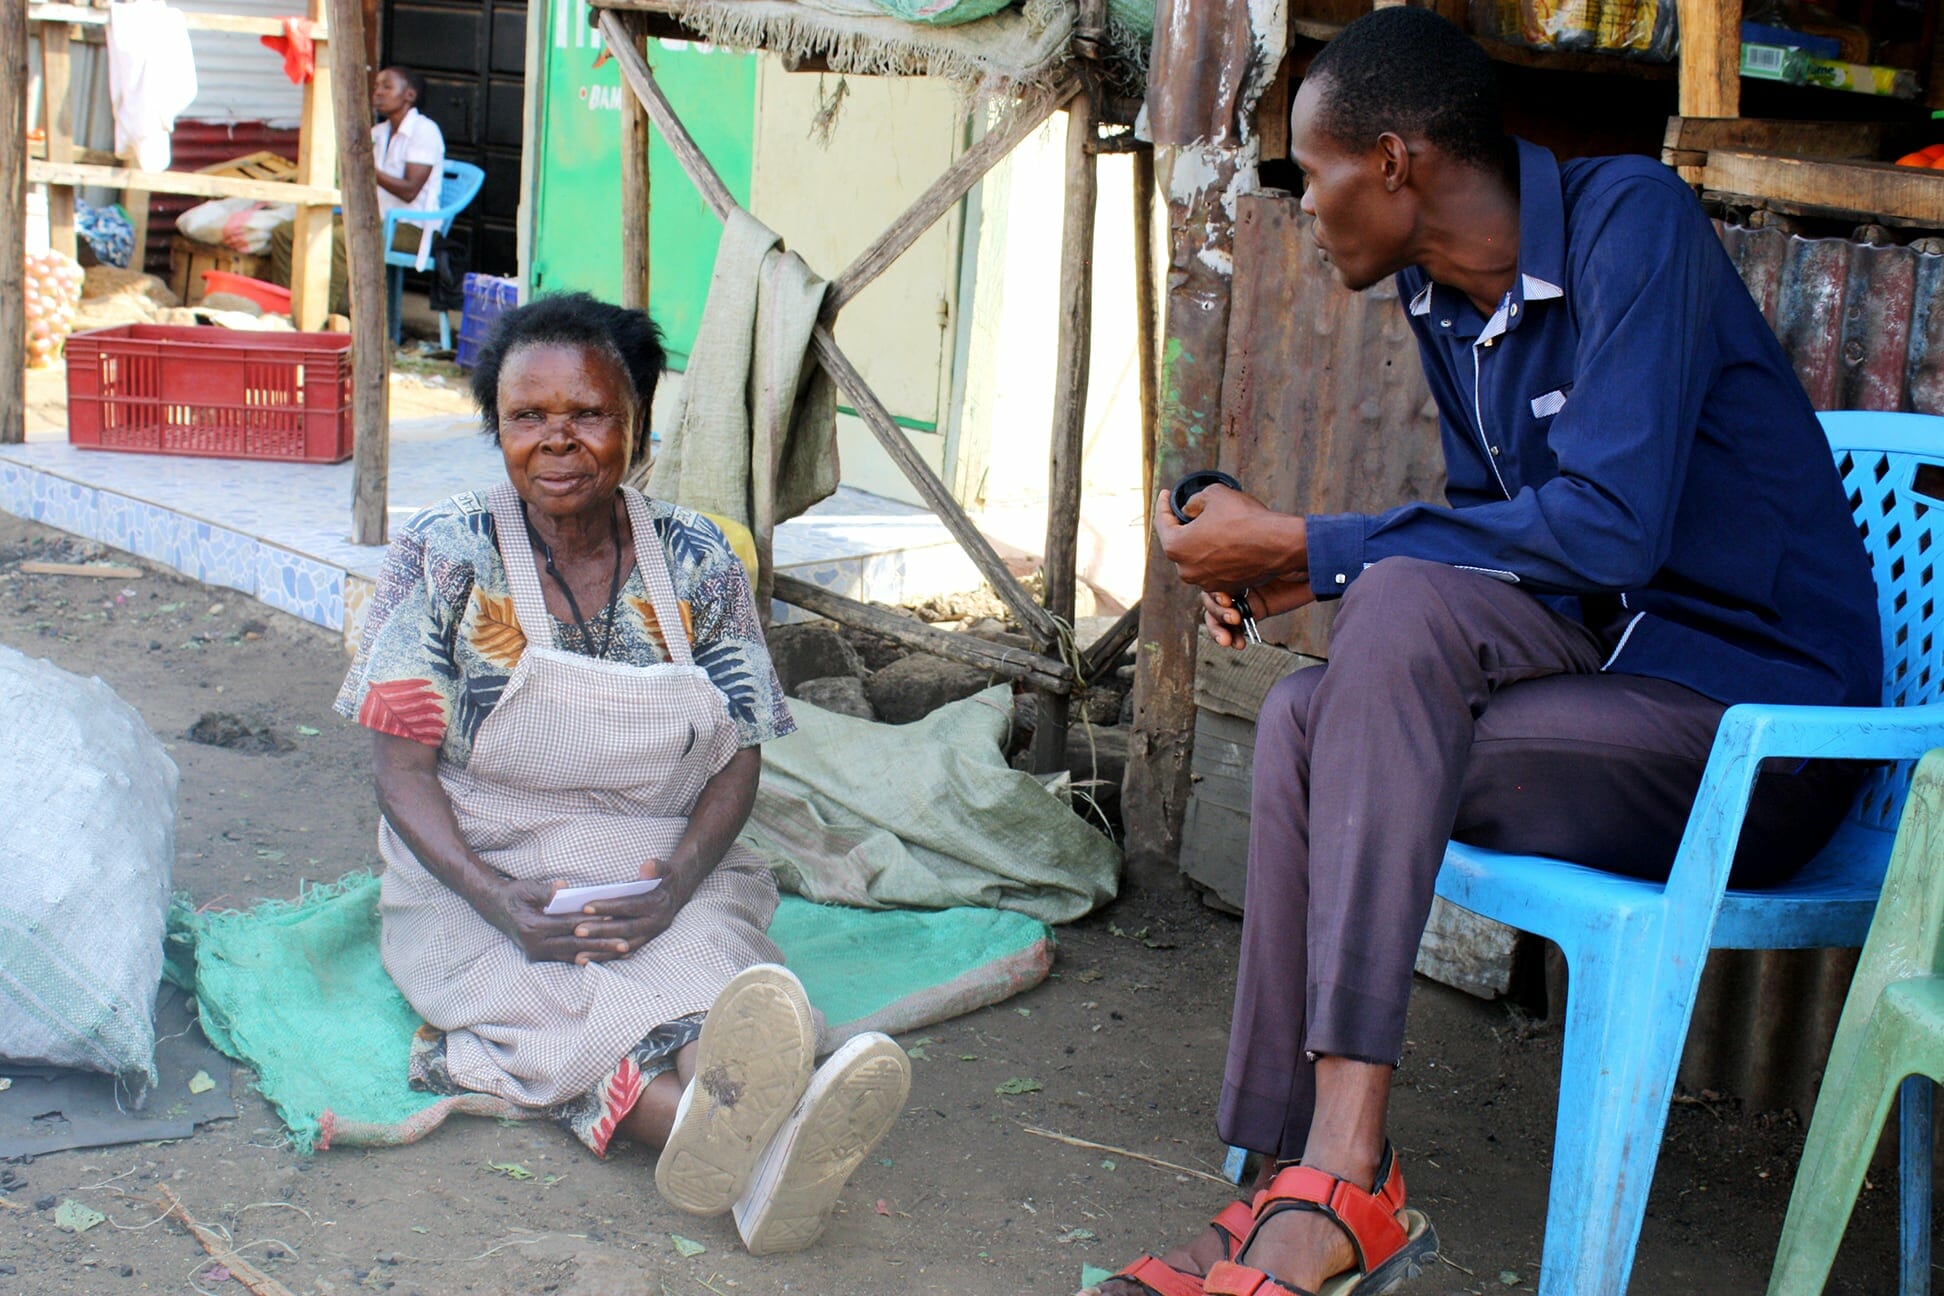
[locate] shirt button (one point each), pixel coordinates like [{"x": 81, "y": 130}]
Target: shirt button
[
  {"x": 1444, "y": 323},
  {"x": 1495, "y": 451},
  {"x": 1513, "y": 309},
  {"x": 1342, "y": 579}
]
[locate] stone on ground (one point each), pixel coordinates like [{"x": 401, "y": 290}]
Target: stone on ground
[
  {"x": 916, "y": 686},
  {"x": 843, "y": 694},
  {"x": 811, "y": 651}
]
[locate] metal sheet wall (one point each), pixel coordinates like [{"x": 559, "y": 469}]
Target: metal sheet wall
[{"x": 237, "y": 79}]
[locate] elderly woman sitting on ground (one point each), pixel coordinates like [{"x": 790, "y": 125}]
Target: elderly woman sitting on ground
[{"x": 568, "y": 686}]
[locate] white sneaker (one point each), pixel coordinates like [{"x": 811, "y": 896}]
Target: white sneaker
[
  {"x": 852, "y": 1102},
  {"x": 752, "y": 1062}
]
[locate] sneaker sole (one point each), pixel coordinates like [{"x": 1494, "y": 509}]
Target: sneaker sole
[
  {"x": 852, "y": 1103},
  {"x": 752, "y": 1062}
]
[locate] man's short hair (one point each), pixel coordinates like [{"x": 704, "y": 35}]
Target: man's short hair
[
  {"x": 413, "y": 79},
  {"x": 1409, "y": 71}
]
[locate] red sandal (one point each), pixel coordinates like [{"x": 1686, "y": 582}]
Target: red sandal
[
  {"x": 1391, "y": 1243},
  {"x": 1234, "y": 1223}
]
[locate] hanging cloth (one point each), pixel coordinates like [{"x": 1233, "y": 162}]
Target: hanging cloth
[
  {"x": 151, "y": 78},
  {"x": 298, "y": 50}
]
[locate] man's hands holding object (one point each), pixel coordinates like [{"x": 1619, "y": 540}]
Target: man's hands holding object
[{"x": 1237, "y": 550}]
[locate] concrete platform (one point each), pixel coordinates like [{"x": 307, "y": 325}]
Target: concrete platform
[{"x": 279, "y": 532}]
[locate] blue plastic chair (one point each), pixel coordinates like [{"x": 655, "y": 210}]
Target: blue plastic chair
[
  {"x": 458, "y": 185},
  {"x": 1635, "y": 950}
]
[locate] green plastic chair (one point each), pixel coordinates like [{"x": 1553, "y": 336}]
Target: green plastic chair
[{"x": 1891, "y": 1035}]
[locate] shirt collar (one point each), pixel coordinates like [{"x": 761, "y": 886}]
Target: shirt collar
[
  {"x": 1542, "y": 256},
  {"x": 406, "y": 125}
]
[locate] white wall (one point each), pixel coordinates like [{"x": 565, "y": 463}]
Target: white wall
[{"x": 1005, "y": 417}]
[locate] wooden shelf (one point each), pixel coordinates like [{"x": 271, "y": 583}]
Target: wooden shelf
[
  {"x": 1506, "y": 52},
  {"x": 1803, "y": 169}
]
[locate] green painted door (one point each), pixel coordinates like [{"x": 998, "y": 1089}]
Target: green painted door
[{"x": 577, "y": 205}]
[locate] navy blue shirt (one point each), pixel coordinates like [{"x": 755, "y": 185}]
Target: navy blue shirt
[{"x": 1625, "y": 439}]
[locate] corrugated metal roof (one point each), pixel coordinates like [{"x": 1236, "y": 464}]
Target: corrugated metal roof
[{"x": 237, "y": 79}]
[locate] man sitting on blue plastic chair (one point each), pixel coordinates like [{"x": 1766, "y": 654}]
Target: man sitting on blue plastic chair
[
  {"x": 1645, "y": 526},
  {"x": 408, "y": 152}
]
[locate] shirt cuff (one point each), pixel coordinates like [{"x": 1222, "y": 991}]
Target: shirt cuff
[{"x": 1336, "y": 551}]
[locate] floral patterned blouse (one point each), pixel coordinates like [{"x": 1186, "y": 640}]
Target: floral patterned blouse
[{"x": 441, "y": 639}]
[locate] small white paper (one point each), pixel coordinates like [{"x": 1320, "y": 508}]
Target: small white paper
[{"x": 569, "y": 900}]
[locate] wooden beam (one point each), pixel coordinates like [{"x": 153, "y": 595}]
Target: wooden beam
[
  {"x": 57, "y": 124},
  {"x": 365, "y": 270},
  {"x": 1688, "y": 139},
  {"x": 946, "y": 192},
  {"x": 1045, "y": 674},
  {"x": 634, "y": 70},
  {"x": 1710, "y": 59},
  {"x": 694, "y": 164},
  {"x": 1106, "y": 651},
  {"x": 1870, "y": 190},
  {"x": 889, "y": 435},
  {"x": 180, "y": 182},
  {"x": 210, "y": 22},
  {"x": 13, "y": 225},
  {"x": 310, "y": 236},
  {"x": 1067, "y": 445},
  {"x": 1146, "y": 323},
  {"x": 636, "y": 195}
]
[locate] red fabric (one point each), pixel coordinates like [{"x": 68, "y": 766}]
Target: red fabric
[
  {"x": 406, "y": 708},
  {"x": 295, "y": 45}
]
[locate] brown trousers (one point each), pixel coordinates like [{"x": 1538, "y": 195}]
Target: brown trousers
[{"x": 1454, "y": 705}]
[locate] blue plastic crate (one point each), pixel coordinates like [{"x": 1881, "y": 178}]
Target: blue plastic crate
[{"x": 487, "y": 298}]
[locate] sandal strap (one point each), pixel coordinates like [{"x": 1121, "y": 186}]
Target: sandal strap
[
  {"x": 1234, "y": 1222},
  {"x": 1161, "y": 1278},
  {"x": 1231, "y": 1279},
  {"x": 1369, "y": 1222}
]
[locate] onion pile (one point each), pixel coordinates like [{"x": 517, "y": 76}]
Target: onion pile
[{"x": 53, "y": 297}]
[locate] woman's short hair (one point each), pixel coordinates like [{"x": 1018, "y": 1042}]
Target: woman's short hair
[
  {"x": 414, "y": 80},
  {"x": 628, "y": 337},
  {"x": 1405, "y": 69}
]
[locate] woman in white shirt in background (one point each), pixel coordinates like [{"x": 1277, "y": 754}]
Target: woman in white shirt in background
[{"x": 408, "y": 149}]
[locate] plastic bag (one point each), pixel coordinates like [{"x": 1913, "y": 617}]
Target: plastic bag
[
  {"x": 240, "y": 224},
  {"x": 1643, "y": 29},
  {"x": 90, "y": 841},
  {"x": 108, "y": 231}
]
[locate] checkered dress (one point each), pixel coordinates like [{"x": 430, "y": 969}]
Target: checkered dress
[{"x": 585, "y": 769}]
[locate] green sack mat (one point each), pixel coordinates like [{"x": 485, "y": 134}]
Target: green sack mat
[{"x": 296, "y": 991}]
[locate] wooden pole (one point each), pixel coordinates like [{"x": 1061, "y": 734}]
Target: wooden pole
[
  {"x": 1070, "y": 374},
  {"x": 636, "y": 195},
  {"x": 1710, "y": 59},
  {"x": 1146, "y": 324},
  {"x": 370, "y": 339},
  {"x": 310, "y": 241},
  {"x": 945, "y": 193},
  {"x": 13, "y": 225},
  {"x": 57, "y": 123},
  {"x": 850, "y": 384},
  {"x": 1043, "y": 673}
]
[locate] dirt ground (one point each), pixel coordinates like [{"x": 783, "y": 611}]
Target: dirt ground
[{"x": 1125, "y": 1041}]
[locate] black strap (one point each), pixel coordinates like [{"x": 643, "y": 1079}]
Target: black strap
[{"x": 573, "y": 604}]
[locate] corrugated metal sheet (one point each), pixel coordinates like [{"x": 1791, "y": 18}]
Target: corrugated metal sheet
[
  {"x": 1863, "y": 326},
  {"x": 237, "y": 79},
  {"x": 195, "y": 145}
]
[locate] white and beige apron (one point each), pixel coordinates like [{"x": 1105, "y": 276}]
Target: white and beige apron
[{"x": 584, "y": 770}]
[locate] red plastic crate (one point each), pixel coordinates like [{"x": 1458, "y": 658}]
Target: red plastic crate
[{"x": 202, "y": 390}]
